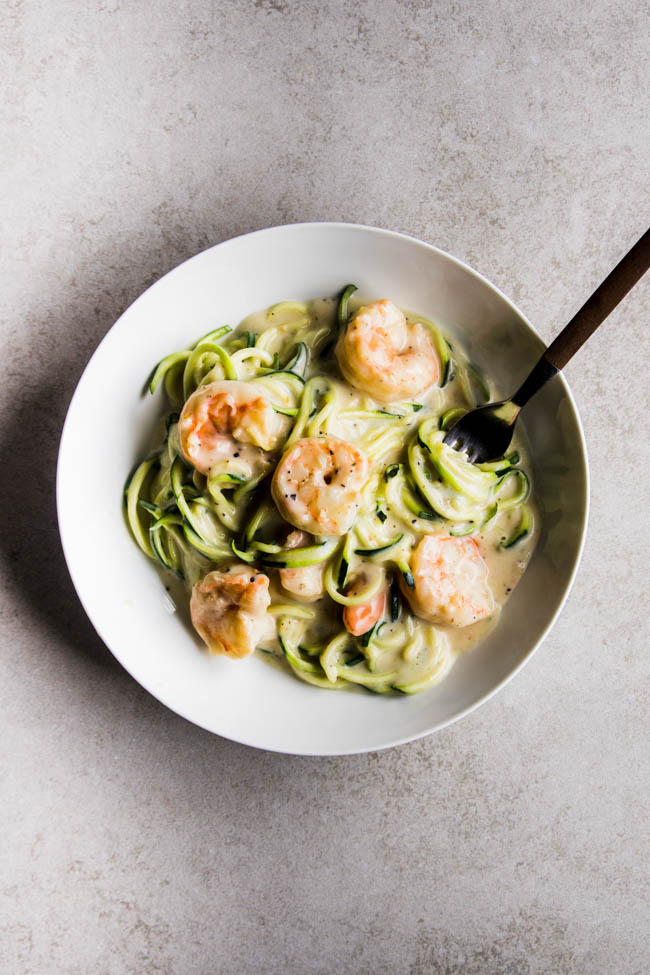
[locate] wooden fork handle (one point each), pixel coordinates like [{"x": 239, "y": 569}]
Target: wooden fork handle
[
  {"x": 585, "y": 322},
  {"x": 604, "y": 299}
]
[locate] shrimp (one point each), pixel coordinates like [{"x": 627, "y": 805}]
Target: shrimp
[
  {"x": 450, "y": 579},
  {"x": 317, "y": 484},
  {"x": 229, "y": 610},
  {"x": 228, "y": 419},
  {"x": 305, "y": 582},
  {"x": 359, "y": 619},
  {"x": 384, "y": 356}
]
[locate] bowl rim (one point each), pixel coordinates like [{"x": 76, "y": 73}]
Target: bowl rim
[{"x": 583, "y": 458}]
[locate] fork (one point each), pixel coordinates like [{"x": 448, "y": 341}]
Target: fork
[{"x": 484, "y": 434}]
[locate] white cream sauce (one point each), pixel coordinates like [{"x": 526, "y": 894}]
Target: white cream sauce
[{"x": 411, "y": 655}]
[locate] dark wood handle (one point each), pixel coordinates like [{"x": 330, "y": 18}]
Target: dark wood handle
[
  {"x": 592, "y": 314},
  {"x": 604, "y": 299}
]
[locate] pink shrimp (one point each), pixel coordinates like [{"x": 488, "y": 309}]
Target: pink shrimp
[
  {"x": 317, "y": 484},
  {"x": 229, "y": 610},
  {"x": 359, "y": 619},
  {"x": 450, "y": 578},
  {"x": 383, "y": 355},
  {"x": 227, "y": 418}
]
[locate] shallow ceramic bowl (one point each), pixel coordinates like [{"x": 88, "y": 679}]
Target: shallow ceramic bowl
[{"x": 109, "y": 425}]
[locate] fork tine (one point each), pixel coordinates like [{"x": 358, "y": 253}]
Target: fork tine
[
  {"x": 484, "y": 433},
  {"x": 459, "y": 444}
]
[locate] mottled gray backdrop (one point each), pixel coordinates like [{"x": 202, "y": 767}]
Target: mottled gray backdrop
[{"x": 514, "y": 135}]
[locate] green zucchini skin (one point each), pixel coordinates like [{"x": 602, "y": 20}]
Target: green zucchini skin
[
  {"x": 162, "y": 553},
  {"x": 342, "y": 576},
  {"x": 209, "y": 551},
  {"x": 299, "y": 361},
  {"x": 522, "y": 494},
  {"x": 247, "y": 557},
  {"x": 342, "y": 310},
  {"x": 449, "y": 417},
  {"x": 368, "y": 553},
  {"x": 297, "y": 661},
  {"x": 523, "y": 530},
  {"x": 280, "y": 373},
  {"x": 368, "y": 635},
  {"x": 411, "y": 407},
  {"x": 359, "y": 659},
  {"x": 394, "y": 600},
  {"x": 407, "y": 575},
  {"x": 444, "y": 350},
  {"x": 296, "y": 558},
  {"x": 344, "y": 564},
  {"x": 170, "y": 420},
  {"x": 378, "y": 683}
]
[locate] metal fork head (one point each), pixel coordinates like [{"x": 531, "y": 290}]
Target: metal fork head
[{"x": 484, "y": 434}]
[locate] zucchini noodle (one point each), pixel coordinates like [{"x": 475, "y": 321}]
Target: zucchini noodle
[
  {"x": 343, "y": 608},
  {"x": 375, "y": 583}
]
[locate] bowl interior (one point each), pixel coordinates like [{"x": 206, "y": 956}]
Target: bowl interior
[{"x": 109, "y": 426}]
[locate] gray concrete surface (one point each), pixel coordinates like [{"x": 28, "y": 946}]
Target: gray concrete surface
[{"x": 136, "y": 134}]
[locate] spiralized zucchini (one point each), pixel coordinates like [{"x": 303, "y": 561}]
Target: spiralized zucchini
[{"x": 190, "y": 523}]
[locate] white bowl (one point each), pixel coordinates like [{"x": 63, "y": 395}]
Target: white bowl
[{"x": 109, "y": 424}]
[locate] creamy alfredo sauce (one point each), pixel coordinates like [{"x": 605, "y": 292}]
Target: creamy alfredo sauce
[{"x": 412, "y": 651}]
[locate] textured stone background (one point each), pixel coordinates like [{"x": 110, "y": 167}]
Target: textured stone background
[{"x": 138, "y": 133}]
